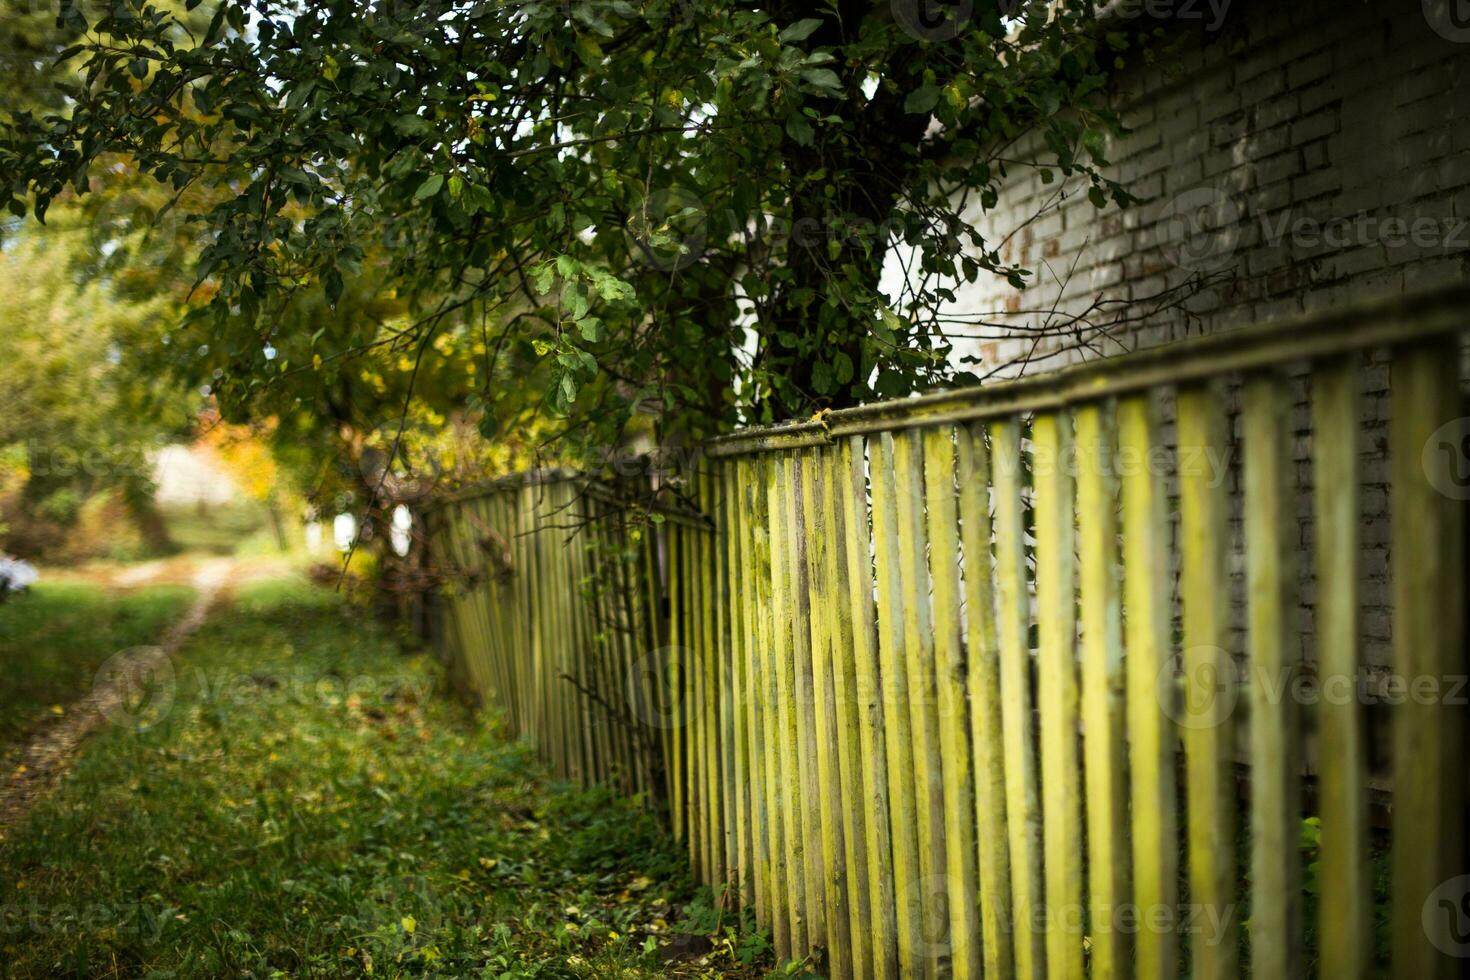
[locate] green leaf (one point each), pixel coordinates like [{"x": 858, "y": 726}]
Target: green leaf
[
  {"x": 822, "y": 377},
  {"x": 824, "y": 79},
  {"x": 542, "y": 278},
  {"x": 591, "y": 329},
  {"x": 429, "y": 187},
  {"x": 1096, "y": 144},
  {"x": 890, "y": 328},
  {"x": 799, "y": 129},
  {"x": 333, "y": 283},
  {"x": 801, "y": 30},
  {"x": 842, "y": 367},
  {"x": 411, "y": 125},
  {"x": 922, "y": 99},
  {"x": 575, "y": 298}
]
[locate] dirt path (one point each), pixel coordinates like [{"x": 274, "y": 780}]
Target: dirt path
[{"x": 125, "y": 674}]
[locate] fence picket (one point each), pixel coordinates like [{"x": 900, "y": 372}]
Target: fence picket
[
  {"x": 817, "y": 531},
  {"x": 1061, "y": 770},
  {"x": 1104, "y": 761},
  {"x": 754, "y": 578},
  {"x": 1013, "y": 629},
  {"x": 803, "y": 707},
  {"x": 953, "y": 744},
  {"x": 1275, "y": 744},
  {"x": 788, "y": 778},
  {"x": 1345, "y": 928},
  {"x": 872, "y": 720},
  {"x": 892, "y": 675},
  {"x": 863, "y": 929},
  {"x": 708, "y": 764},
  {"x": 1427, "y": 528},
  {"x": 1210, "y": 684},
  {"x": 783, "y": 931},
  {"x": 986, "y": 733},
  {"x": 696, "y": 596},
  {"x": 738, "y": 784},
  {"x": 930, "y": 897},
  {"x": 1150, "y": 733},
  {"x": 678, "y": 720}
]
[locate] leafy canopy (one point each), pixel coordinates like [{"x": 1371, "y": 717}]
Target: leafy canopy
[{"x": 674, "y": 208}]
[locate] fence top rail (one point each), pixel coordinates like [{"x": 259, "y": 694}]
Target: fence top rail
[{"x": 1324, "y": 333}]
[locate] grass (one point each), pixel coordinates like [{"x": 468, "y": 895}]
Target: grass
[
  {"x": 308, "y": 805},
  {"x": 53, "y": 639}
]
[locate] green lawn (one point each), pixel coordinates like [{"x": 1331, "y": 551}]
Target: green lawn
[
  {"x": 309, "y": 805},
  {"x": 53, "y": 639}
]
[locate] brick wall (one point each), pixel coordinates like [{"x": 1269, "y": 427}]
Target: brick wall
[
  {"x": 1304, "y": 154},
  {"x": 1278, "y": 150}
]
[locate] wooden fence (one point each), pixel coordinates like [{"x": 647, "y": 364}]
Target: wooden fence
[{"x": 913, "y": 681}]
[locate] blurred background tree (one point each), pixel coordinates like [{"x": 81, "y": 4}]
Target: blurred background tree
[{"x": 83, "y": 411}]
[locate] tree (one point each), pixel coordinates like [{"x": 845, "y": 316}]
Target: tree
[
  {"x": 676, "y": 206},
  {"x": 83, "y": 413}
]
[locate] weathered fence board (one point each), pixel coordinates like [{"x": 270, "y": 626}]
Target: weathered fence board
[
  {"x": 1346, "y": 926},
  {"x": 1103, "y": 690},
  {"x": 964, "y": 685},
  {"x": 1151, "y": 737},
  {"x": 1210, "y": 686}
]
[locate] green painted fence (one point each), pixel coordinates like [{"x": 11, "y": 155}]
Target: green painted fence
[{"x": 950, "y": 686}]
